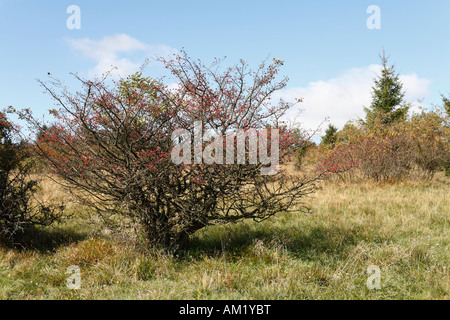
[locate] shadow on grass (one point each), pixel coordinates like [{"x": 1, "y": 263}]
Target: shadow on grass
[
  {"x": 45, "y": 240},
  {"x": 304, "y": 244}
]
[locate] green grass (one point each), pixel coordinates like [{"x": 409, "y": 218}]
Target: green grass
[{"x": 402, "y": 228}]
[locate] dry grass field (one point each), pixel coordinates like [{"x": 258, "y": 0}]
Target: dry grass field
[{"x": 402, "y": 228}]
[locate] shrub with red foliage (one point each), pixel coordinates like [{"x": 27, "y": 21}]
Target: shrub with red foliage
[
  {"x": 414, "y": 148},
  {"x": 112, "y": 145}
]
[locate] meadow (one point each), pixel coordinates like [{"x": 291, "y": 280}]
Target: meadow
[{"x": 402, "y": 228}]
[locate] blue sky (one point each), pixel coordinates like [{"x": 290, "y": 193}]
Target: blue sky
[{"x": 330, "y": 54}]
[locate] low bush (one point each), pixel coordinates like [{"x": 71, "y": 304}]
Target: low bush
[
  {"x": 415, "y": 148},
  {"x": 19, "y": 210}
]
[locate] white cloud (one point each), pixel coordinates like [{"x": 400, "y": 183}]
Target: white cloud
[
  {"x": 108, "y": 53},
  {"x": 416, "y": 88},
  {"x": 343, "y": 98}
]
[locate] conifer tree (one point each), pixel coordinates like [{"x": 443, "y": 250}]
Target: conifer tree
[
  {"x": 330, "y": 136},
  {"x": 387, "y": 98}
]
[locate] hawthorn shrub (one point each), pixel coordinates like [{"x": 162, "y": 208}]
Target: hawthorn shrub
[
  {"x": 111, "y": 144},
  {"x": 446, "y": 111},
  {"x": 384, "y": 154},
  {"x": 430, "y": 143},
  {"x": 306, "y": 156},
  {"x": 19, "y": 210},
  {"x": 415, "y": 148},
  {"x": 303, "y": 148},
  {"x": 333, "y": 160}
]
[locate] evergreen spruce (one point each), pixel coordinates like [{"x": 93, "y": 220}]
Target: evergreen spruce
[{"x": 387, "y": 98}]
